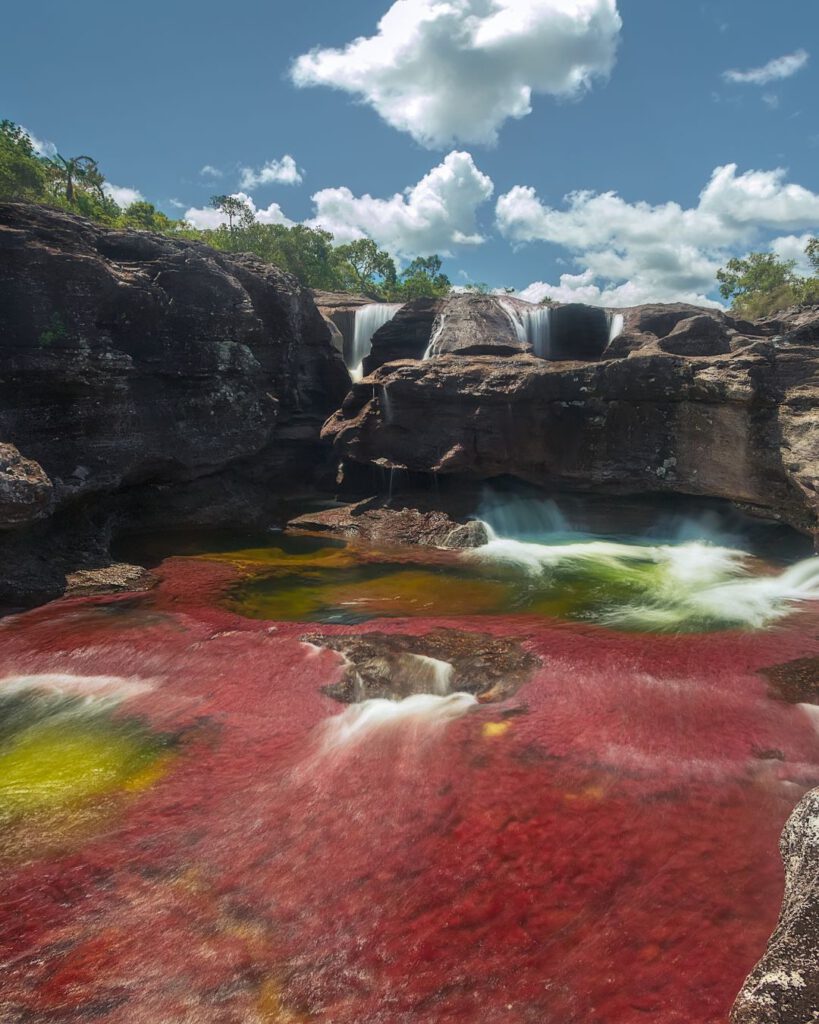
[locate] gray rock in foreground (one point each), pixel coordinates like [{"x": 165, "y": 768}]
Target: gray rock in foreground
[{"x": 784, "y": 986}]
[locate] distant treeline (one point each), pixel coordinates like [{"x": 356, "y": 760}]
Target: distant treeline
[
  {"x": 77, "y": 184},
  {"x": 757, "y": 285}
]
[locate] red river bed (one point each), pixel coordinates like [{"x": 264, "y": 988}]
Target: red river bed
[{"x": 601, "y": 848}]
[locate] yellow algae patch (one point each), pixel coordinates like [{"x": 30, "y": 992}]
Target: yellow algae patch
[
  {"x": 252, "y": 559},
  {"x": 591, "y": 794},
  {"x": 271, "y": 1008},
  {"x": 65, "y": 760},
  {"x": 362, "y": 595},
  {"x": 491, "y": 730}
]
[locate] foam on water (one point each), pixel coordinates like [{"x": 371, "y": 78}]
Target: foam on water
[
  {"x": 667, "y": 587},
  {"x": 424, "y": 712},
  {"x": 98, "y": 690}
]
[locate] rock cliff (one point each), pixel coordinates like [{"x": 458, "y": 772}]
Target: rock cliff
[
  {"x": 141, "y": 372},
  {"x": 682, "y": 400}
]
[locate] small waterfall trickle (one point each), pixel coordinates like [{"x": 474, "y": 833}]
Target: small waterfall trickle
[
  {"x": 437, "y": 330},
  {"x": 368, "y": 319},
  {"x": 616, "y": 324},
  {"x": 532, "y": 326}
]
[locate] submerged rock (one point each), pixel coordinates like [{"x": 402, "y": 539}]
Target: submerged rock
[
  {"x": 382, "y": 665},
  {"x": 374, "y": 522},
  {"x": 784, "y": 986}
]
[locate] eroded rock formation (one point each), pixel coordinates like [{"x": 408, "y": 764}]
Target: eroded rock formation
[
  {"x": 682, "y": 401},
  {"x": 143, "y": 372}
]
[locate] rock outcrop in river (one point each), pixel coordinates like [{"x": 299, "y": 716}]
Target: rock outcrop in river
[
  {"x": 681, "y": 400},
  {"x": 144, "y": 374},
  {"x": 784, "y": 986}
]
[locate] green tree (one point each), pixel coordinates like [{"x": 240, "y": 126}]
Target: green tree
[
  {"x": 370, "y": 270},
  {"x": 423, "y": 278},
  {"x": 234, "y": 209},
  {"x": 812, "y": 252},
  {"x": 76, "y": 173},
  {"x": 22, "y": 174},
  {"x": 759, "y": 284},
  {"x": 144, "y": 216}
]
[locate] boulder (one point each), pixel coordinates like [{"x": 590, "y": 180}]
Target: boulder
[
  {"x": 25, "y": 490},
  {"x": 373, "y": 522},
  {"x": 700, "y": 335},
  {"x": 470, "y": 324},
  {"x": 784, "y": 986}
]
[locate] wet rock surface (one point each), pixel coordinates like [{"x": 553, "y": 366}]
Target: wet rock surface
[
  {"x": 784, "y": 986},
  {"x": 443, "y": 661},
  {"x": 373, "y": 521}
]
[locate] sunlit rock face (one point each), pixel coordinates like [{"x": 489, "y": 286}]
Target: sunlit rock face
[
  {"x": 681, "y": 401},
  {"x": 146, "y": 368},
  {"x": 784, "y": 986}
]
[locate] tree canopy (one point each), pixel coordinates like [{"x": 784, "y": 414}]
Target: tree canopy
[
  {"x": 762, "y": 283},
  {"x": 77, "y": 184}
]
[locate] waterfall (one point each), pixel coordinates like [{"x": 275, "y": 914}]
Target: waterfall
[
  {"x": 532, "y": 325},
  {"x": 437, "y": 330},
  {"x": 368, "y": 319},
  {"x": 616, "y": 324}
]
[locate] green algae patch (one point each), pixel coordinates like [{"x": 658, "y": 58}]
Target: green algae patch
[{"x": 57, "y": 753}]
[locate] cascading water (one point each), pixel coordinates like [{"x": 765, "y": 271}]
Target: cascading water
[
  {"x": 616, "y": 324},
  {"x": 437, "y": 330},
  {"x": 532, "y": 325},
  {"x": 368, "y": 319}
]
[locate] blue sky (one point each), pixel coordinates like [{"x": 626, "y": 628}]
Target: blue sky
[{"x": 627, "y": 96}]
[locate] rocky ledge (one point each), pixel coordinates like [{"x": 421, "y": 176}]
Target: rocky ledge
[
  {"x": 680, "y": 400},
  {"x": 145, "y": 380}
]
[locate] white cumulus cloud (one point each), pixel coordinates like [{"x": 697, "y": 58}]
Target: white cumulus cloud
[
  {"x": 42, "y": 147},
  {"x": 209, "y": 171},
  {"x": 639, "y": 252},
  {"x": 207, "y": 217},
  {"x": 122, "y": 195},
  {"x": 456, "y": 70},
  {"x": 281, "y": 172},
  {"x": 434, "y": 215},
  {"x": 774, "y": 71}
]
